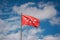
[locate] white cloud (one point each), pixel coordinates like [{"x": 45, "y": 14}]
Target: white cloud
[
  {"x": 51, "y": 37},
  {"x": 55, "y": 21},
  {"x": 13, "y": 18},
  {"x": 34, "y": 31},
  {"x": 2, "y": 25},
  {"x": 6, "y": 27},
  {"x": 31, "y": 34},
  {"x": 47, "y": 12},
  {"x": 15, "y": 36},
  {"x": 32, "y": 38}
]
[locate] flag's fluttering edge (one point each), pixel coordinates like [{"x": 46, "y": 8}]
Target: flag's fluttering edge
[{"x": 29, "y": 20}]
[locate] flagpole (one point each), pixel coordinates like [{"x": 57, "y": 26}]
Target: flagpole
[{"x": 21, "y": 27}]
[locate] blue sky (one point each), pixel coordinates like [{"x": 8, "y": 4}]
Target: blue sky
[{"x": 47, "y": 11}]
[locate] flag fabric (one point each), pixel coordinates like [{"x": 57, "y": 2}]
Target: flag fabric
[{"x": 29, "y": 20}]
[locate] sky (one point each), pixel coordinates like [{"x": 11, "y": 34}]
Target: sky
[{"x": 47, "y": 11}]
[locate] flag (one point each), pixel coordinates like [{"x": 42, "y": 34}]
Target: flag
[{"x": 29, "y": 20}]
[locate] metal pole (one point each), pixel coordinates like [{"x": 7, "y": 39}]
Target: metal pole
[{"x": 21, "y": 27}]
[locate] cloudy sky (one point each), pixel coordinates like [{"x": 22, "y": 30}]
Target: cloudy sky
[{"x": 47, "y": 11}]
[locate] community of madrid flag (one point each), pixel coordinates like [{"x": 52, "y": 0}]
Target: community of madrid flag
[{"x": 30, "y": 21}]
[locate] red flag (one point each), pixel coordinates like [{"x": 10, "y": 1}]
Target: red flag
[{"x": 29, "y": 20}]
